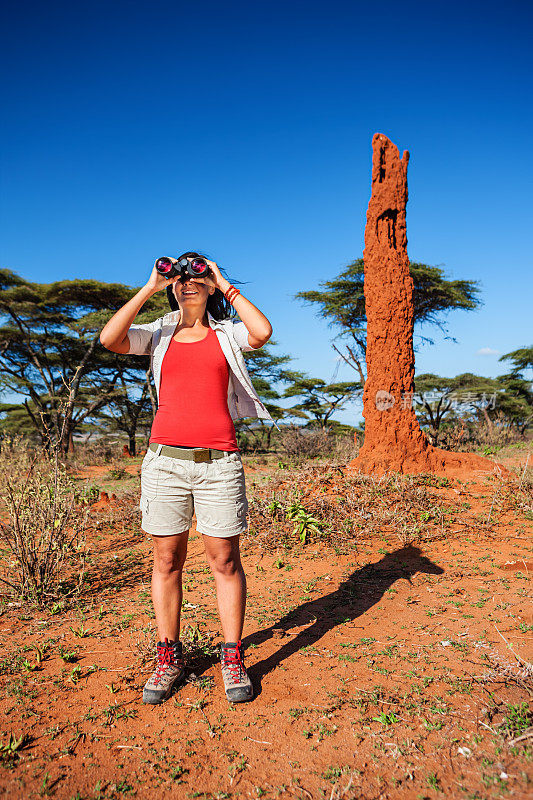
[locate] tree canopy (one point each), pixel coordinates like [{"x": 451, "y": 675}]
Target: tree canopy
[
  {"x": 50, "y": 352},
  {"x": 504, "y": 401},
  {"x": 341, "y": 302},
  {"x": 319, "y": 400}
]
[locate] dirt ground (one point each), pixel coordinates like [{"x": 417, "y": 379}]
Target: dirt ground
[{"x": 382, "y": 667}]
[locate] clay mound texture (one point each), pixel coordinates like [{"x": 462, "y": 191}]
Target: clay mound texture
[{"x": 394, "y": 441}]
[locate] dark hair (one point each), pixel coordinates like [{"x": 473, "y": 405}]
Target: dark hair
[{"x": 217, "y": 305}]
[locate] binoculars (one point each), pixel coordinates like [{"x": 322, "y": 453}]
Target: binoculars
[{"x": 192, "y": 267}]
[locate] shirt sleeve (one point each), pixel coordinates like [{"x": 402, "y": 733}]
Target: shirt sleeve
[
  {"x": 140, "y": 339},
  {"x": 240, "y": 332}
]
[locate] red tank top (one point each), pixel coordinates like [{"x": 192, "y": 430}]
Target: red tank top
[{"x": 193, "y": 397}]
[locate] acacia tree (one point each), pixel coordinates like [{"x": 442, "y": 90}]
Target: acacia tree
[
  {"x": 341, "y": 302},
  {"x": 436, "y": 398},
  {"x": 516, "y": 399},
  {"x": 267, "y": 371},
  {"x": 521, "y": 360},
  {"x": 505, "y": 400},
  {"x": 132, "y": 405},
  {"x": 50, "y": 352},
  {"x": 319, "y": 399}
]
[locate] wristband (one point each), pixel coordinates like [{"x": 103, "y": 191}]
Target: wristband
[{"x": 231, "y": 293}]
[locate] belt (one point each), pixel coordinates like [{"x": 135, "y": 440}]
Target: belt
[{"x": 196, "y": 454}]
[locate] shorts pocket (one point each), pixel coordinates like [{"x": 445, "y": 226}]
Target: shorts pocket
[
  {"x": 150, "y": 479},
  {"x": 242, "y": 509},
  {"x": 144, "y": 505},
  {"x": 148, "y": 458},
  {"x": 232, "y": 464}
]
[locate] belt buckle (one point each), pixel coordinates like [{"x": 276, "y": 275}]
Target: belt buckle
[{"x": 200, "y": 456}]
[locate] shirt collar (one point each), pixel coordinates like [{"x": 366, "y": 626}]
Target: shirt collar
[
  {"x": 214, "y": 323},
  {"x": 173, "y": 317}
]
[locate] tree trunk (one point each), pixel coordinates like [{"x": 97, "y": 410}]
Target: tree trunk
[{"x": 151, "y": 394}]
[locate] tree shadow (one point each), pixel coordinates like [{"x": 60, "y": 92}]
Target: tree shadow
[
  {"x": 105, "y": 580},
  {"x": 357, "y": 594}
]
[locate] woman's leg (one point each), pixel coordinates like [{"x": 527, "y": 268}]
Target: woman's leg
[
  {"x": 224, "y": 558},
  {"x": 169, "y": 558}
]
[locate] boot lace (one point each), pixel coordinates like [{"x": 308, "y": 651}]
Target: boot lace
[
  {"x": 165, "y": 657},
  {"x": 233, "y": 661}
]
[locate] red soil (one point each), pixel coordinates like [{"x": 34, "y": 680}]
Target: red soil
[{"x": 373, "y": 662}]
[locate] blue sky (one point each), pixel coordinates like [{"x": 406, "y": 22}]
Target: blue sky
[{"x": 133, "y": 130}]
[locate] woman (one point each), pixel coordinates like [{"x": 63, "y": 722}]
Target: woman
[{"x": 193, "y": 458}]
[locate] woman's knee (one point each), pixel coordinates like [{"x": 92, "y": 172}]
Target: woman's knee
[
  {"x": 169, "y": 560},
  {"x": 167, "y": 566},
  {"x": 226, "y": 564}
]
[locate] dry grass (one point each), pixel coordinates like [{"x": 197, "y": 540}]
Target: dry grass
[
  {"x": 466, "y": 436},
  {"x": 300, "y": 444},
  {"x": 346, "y": 508}
]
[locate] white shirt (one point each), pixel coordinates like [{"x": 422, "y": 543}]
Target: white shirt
[{"x": 154, "y": 338}]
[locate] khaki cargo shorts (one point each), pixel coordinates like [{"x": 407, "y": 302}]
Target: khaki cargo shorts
[{"x": 172, "y": 488}]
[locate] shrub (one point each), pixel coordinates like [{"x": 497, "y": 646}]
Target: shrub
[
  {"x": 466, "y": 435},
  {"x": 44, "y": 528},
  {"x": 299, "y": 443}
]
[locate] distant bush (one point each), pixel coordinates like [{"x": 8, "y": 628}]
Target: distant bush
[
  {"x": 100, "y": 451},
  {"x": 300, "y": 443},
  {"x": 469, "y": 435}
]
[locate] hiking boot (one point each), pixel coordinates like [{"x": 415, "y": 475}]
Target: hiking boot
[
  {"x": 237, "y": 684},
  {"x": 169, "y": 671}
]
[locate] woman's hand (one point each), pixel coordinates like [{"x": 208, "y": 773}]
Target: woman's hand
[
  {"x": 156, "y": 282},
  {"x": 214, "y": 279},
  {"x": 114, "y": 335}
]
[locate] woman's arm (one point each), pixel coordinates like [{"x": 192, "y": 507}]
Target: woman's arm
[
  {"x": 114, "y": 335},
  {"x": 259, "y": 328}
]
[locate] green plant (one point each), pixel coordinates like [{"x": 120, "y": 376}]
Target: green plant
[
  {"x": 10, "y": 751},
  {"x": 293, "y": 510},
  {"x": 517, "y": 720},
  {"x": 75, "y": 674},
  {"x": 81, "y": 633},
  {"x": 306, "y": 524},
  {"x": 433, "y": 781},
  {"x": 386, "y": 719},
  {"x": 178, "y": 772},
  {"x": 69, "y": 657},
  {"x": 274, "y": 507},
  {"x": 118, "y": 473},
  {"x": 88, "y": 495}
]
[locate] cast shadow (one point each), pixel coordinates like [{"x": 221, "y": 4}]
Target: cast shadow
[{"x": 363, "y": 589}]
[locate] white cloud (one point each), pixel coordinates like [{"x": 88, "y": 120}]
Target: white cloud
[{"x": 487, "y": 351}]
